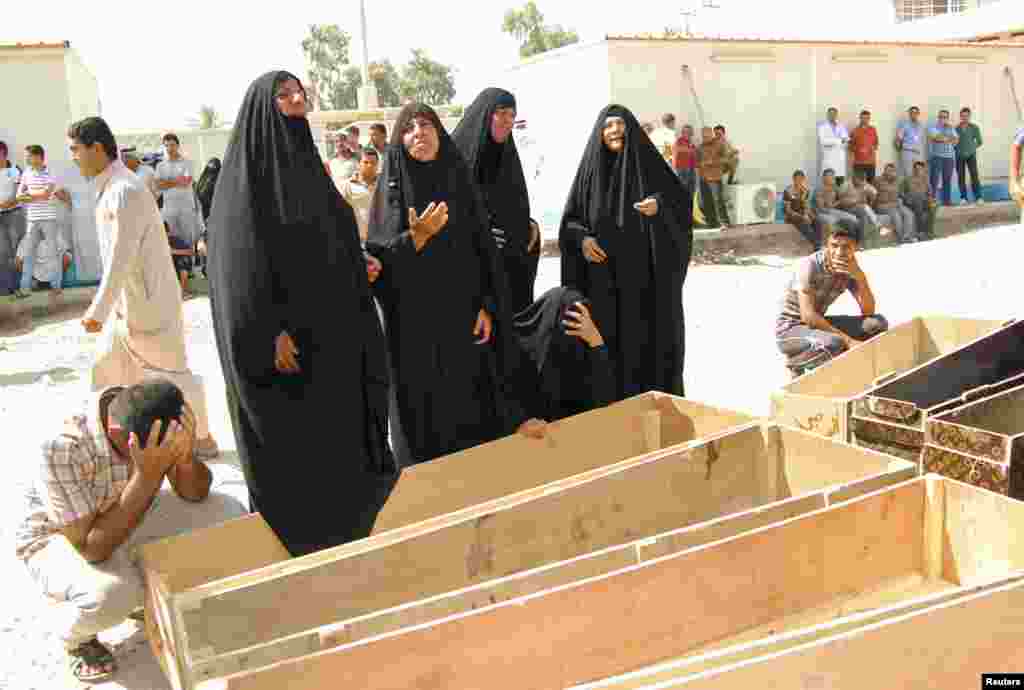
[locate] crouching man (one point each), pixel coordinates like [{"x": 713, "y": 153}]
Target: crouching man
[
  {"x": 99, "y": 492},
  {"x": 803, "y": 333}
]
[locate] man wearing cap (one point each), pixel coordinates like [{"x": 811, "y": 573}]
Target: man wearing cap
[
  {"x": 118, "y": 475},
  {"x": 132, "y": 159}
]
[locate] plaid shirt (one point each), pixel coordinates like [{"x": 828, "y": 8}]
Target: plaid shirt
[{"x": 78, "y": 476}]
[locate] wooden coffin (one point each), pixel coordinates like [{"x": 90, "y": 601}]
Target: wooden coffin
[
  {"x": 981, "y": 443},
  {"x": 180, "y": 571},
  {"x": 970, "y": 624},
  {"x": 385, "y": 583},
  {"x": 819, "y": 401},
  {"x": 910, "y": 545},
  {"x": 891, "y": 417}
]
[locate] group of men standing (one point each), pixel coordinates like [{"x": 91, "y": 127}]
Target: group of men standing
[
  {"x": 942, "y": 147},
  {"x": 703, "y": 166}
]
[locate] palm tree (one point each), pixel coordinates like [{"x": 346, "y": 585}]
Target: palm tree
[{"x": 207, "y": 118}]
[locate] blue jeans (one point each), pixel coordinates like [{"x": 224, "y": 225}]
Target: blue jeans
[
  {"x": 944, "y": 166},
  {"x": 37, "y": 229}
]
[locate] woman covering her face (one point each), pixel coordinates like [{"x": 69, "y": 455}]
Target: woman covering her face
[
  {"x": 441, "y": 293},
  {"x": 566, "y": 363},
  {"x": 207, "y": 185},
  {"x": 484, "y": 138},
  {"x": 626, "y": 238},
  {"x": 301, "y": 347}
]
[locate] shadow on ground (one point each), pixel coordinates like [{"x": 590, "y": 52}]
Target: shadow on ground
[{"x": 28, "y": 378}]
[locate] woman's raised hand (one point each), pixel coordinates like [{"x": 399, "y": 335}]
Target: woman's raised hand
[
  {"x": 429, "y": 223},
  {"x": 284, "y": 354}
]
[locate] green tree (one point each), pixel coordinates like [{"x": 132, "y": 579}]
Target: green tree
[
  {"x": 388, "y": 82},
  {"x": 427, "y": 81},
  {"x": 206, "y": 118},
  {"x": 346, "y": 96},
  {"x": 527, "y": 26},
  {"x": 326, "y": 50}
]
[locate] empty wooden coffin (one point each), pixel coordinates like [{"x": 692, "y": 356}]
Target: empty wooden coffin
[
  {"x": 891, "y": 417},
  {"x": 180, "y": 570},
  {"x": 819, "y": 401},
  {"x": 969, "y": 620},
  {"x": 579, "y": 528},
  {"x": 981, "y": 443},
  {"x": 926, "y": 543}
]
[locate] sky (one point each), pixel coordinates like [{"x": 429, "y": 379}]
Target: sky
[{"x": 157, "y": 64}]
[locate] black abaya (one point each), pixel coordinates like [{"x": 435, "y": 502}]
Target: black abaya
[
  {"x": 448, "y": 392},
  {"x": 637, "y": 291},
  {"x": 313, "y": 445},
  {"x": 563, "y": 376},
  {"x": 497, "y": 170}
]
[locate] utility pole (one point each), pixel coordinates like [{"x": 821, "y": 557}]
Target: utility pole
[{"x": 367, "y": 92}]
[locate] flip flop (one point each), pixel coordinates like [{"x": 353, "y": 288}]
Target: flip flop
[{"x": 91, "y": 655}]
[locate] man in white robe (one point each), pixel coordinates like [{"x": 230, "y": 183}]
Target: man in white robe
[
  {"x": 833, "y": 141},
  {"x": 138, "y": 304}
]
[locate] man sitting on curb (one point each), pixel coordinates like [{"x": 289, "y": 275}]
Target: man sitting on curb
[
  {"x": 803, "y": 333},
  {"x": 99, "y": 492},
  {"x": 917, "y": 194},
  {"x": 888, "y": 203},
  {"x": 857, "y": 197}
]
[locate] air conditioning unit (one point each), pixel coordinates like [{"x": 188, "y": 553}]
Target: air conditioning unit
[{"x": 750, "y": 204}]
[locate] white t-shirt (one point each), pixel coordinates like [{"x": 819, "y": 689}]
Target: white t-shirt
[
  {"x": 9, "y": 179},
  {"x": 663, "y": 138},
  {"x": 342, "y": 170},
  {"x": 176, "y": 198}
]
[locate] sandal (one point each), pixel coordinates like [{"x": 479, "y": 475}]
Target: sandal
[{"x": 89, "y": 658}]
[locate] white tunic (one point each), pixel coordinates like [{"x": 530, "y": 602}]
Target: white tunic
[{"x": 833, "y": 141}]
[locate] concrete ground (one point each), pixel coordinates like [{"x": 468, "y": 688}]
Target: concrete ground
[{"x": 731, "y": 362}]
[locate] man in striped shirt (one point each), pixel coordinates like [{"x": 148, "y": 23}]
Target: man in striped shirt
[{"x": 37, "y": 192}]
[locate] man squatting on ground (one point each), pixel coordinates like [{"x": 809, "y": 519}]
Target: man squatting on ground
[{"x": 803, "y": 333}]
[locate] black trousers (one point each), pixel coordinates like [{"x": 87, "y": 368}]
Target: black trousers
[{"x": 963, "y": 164}]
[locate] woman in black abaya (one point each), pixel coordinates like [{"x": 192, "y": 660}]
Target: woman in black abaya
[
  {"x": 626, "y": 238},
  {"x": 484, "y": 138},
  {"x": 441, "y": 292},
  {"x": 566, "y": 370},
  {"x": 303, "y": 358}
]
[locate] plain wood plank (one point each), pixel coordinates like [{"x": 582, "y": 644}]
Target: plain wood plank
[
  {"x": 843, "y": 614},
  {"x": 507, "y": 588},
  {"x": 634, "y": 502},
  {"x": 636, "y": 617},
  {"x": 814, "y": 414},
  {"x": 935, "y": 527},
  {"x": 984, "y": 534},
  {"x": 212, "y": 553},
  {"x": 947, "y": 646},
  {"x": 942, "y": 334}
]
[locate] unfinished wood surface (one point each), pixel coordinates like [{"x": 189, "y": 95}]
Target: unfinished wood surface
[
  {"x": 642, "y": 500},
  {"x": 984, "y": 534},
  {"x": 940, "y": 334},
  {"x": 999, "y": 414},
  {"x": 636, "y": 617},
  {"x": 846, "y": 612},
  {"x": 811, "y": 413},
  {"x": 947, "y": 646},
  {"x": 212, "y": 553}
]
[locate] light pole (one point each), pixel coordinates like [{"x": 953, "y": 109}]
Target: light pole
[{"x": 367, "y": 92}]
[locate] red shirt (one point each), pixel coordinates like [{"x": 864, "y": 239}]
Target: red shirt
[
  {"x": 684, "y": 154},
  {"x": 864, "y": 142}
]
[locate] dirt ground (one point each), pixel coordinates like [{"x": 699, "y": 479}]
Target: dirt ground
[{"x": 731, "y": 362}]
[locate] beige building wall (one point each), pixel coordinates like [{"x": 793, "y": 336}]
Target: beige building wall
[
  {"x": 82, "y": 88},
  {"x": 40, "y": 112},
  {"x": 770, "y": 96}
]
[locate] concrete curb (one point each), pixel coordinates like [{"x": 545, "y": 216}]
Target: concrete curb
[{"x": 781, "y": 239}]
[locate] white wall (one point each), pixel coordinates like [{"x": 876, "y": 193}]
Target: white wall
[
  {"x": 771, "y": 108},
  {"x": 559, "y": 94},
  {"x": 82, "y": 88},
  {"x": 198, "y": 145},
  {"x": 37, "y": 110}
]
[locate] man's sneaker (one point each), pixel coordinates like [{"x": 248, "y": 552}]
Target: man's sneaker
[
  {"x": 979, "y": 202},
  {"x": 963, "y": 202},
  {"x": 884, "y": 232},
  {"x": 21, "y": 294},
  {"x": 206, "y": 449}
]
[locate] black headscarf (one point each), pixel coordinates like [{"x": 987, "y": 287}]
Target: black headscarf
[
  {"x": 640, "y": 286},
  {"x": 279, "y": 228},
  {"x": 427, "y": 298},
  {"x": 206, "y": 185},
  {"x": 566, "y": 375},
  {"x": 496, "y": 168}
]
